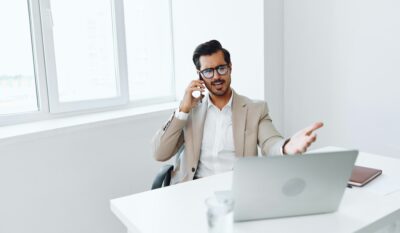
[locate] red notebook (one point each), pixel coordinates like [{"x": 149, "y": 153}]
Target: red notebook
[{"x": 360, "y": 176}]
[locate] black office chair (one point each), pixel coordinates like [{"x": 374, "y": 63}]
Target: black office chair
[{"x": 163, "y": 177}]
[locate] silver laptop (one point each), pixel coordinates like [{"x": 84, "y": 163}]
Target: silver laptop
[{"x": 283, "y": 186}]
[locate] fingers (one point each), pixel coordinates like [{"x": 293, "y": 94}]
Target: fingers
[
  {"x": 192, "y": 89},
  {"x": 304, "y": 143},
  {"x": 313, "y": 127},
  {"x": 196, "y": 83},
  {"x": 308, "y": 140},
  {"x": 189, "y": 101},
  {"x": 312, "y": 138}
]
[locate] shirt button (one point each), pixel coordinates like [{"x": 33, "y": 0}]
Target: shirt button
[{"x": 193, "y": 169}]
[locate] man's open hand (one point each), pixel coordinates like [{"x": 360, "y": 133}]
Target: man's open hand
[{"x": 301, "y": 140}]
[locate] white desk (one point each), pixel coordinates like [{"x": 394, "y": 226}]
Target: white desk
[{"x": 181, "y": 208}]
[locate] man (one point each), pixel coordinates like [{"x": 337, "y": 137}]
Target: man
[{"x": 213, "y": 130}]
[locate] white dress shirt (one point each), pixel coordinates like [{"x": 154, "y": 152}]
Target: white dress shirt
[{"x": 217, "y": 152}]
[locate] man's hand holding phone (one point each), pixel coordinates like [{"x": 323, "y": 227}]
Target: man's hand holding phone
[{"x": 189, "y": 101}]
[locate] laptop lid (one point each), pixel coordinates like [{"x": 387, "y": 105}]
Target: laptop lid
[{"x": 272, "y": 187}]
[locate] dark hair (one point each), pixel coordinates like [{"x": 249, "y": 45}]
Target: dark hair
[{"x": 209, "y": 48}]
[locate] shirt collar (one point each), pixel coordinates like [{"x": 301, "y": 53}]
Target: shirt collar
[{"x": 210, "y": 103}]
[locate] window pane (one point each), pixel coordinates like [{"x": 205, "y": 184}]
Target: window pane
[
  {"x": 17, "y": 79},
  {"x": 84, "y": 49},
  {"x": 149, "y": 50}
]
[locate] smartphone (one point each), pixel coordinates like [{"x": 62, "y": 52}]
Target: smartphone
[
  {"x": 196, "y": 94},
  {"x": 205, "y": 90}
]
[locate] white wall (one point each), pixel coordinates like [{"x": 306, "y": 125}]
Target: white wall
[
  {"x": 341, "y": 65},
  {"x": 237, "y": 24},
  {"x": 273, "y": 62},
  {"x": 63, "y": 181}
]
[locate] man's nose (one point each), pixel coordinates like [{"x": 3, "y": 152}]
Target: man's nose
[{"x": 216, "y": 75}]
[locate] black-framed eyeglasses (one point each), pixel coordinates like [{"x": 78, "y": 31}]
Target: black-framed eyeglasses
[{"x": 209, "y": 72}]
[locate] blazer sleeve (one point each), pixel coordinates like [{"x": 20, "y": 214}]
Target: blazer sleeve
[
  {"x": 167, "y": 140},
  {"x": 269, "y": 139}
]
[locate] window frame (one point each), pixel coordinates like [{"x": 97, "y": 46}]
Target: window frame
[
  {"x": 43, "y": 58},
  {"x": 39, "y": 71},
  {"x": 55, "y": 105}
]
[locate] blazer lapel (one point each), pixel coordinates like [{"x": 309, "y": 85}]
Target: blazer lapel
[
  {"x": 239, "y": 114},
  {"x": 198, "y": 119}
]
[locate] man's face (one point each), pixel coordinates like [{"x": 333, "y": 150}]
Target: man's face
[{"x": 219, "y": 84}]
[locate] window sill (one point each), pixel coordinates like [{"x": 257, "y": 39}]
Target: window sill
[{"x": 27, "y": 131}]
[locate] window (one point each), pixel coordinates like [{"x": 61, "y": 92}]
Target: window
[
  {"x": 81, "y": 39},
  {"x": 17, "y": 79},
  {"x": 149, "y": 48},
  {"x": 71, "y": 56},
  {"x": 84, "y": 52}
]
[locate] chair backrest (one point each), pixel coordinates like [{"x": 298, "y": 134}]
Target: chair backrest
[{"x": 163, "y": 177}]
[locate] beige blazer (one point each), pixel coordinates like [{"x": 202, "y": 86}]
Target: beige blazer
[{"x": 251, "y": 126}]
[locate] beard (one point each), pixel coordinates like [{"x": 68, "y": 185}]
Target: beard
[{"x": 219, "y": 87}]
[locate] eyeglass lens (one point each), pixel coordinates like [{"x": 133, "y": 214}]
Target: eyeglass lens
[{"x": 221, "y": 70}]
